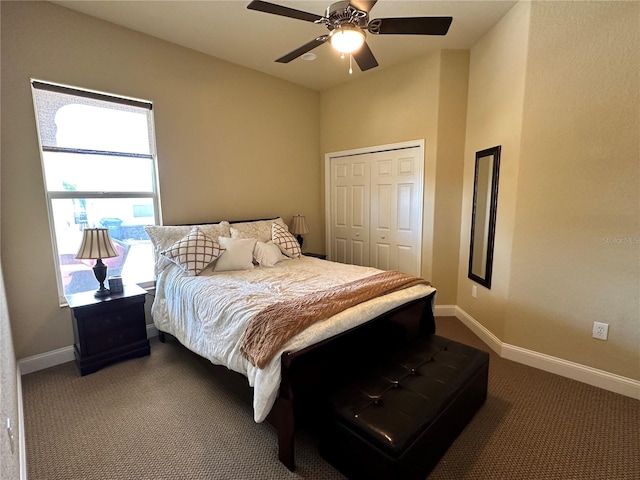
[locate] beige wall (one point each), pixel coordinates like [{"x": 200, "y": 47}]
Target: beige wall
[
  {"x": 563, "y": 80},
  {"x": 452, "y": 112},
  {"x": 232, "y": 143},
  {"x": 9, "y": 468},
  {"x": 421, "y": 99},
  {"x": 579, "y": 187},
  {"x": 494, "y": 117}
]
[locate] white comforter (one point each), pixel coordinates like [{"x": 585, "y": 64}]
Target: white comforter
[{"x": 208, "y": 314}]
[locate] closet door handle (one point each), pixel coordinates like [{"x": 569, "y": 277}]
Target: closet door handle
[{"x": 357, "y": 234}]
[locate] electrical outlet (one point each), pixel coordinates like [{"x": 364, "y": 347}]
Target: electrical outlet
[
  {"x": 600, "y": 330},
  {"x": 474, "y": 291},
  {"x": 10, "y": 433}
]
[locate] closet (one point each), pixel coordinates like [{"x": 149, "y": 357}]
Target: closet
[{"x": 374, "y": 206}]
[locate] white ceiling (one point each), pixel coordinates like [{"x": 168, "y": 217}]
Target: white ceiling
[{"x": 227, "y": 30}]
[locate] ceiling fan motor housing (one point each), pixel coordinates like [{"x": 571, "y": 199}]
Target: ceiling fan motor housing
[{"x": 343, "y": 13}]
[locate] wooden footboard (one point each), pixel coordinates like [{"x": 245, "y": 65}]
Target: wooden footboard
[{"x": 309, "y": 374}]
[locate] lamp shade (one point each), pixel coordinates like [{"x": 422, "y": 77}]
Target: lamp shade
[
  {"x": 96, "y": 243},
  {"x": 299, "y": 225}
]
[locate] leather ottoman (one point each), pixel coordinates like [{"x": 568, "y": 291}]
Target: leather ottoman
[{"x": 399, "y": 417}]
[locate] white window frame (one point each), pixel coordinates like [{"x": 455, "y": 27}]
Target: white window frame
[{"x": 154, "y": 195}]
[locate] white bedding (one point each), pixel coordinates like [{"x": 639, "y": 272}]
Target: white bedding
[{"x": 209, "y": 313}]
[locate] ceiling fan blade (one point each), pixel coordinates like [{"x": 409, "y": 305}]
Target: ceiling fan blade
[
  {"x": 364, "y": 5},
  {"x": 364, "y": 58},
  {"x": 316, "y": 42},
  {"x": 410, "y": 26},
  {"x": 267, "y": 7}
]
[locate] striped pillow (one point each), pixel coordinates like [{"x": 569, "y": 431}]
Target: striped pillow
[
  {"x": 193, "y": 252},
  {"x": 286, "y": 241}
]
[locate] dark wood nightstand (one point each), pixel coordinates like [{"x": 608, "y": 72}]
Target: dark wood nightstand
[
  {"x": 109, "y": 329},
  {"x": 321, "y": 256}
]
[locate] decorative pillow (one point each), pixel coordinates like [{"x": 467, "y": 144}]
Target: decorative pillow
[
  {"x": 260, "y": 229},
  {"x": 193, "y": 252},
  {"x": 267, "y": 254},
  {"x": 164, "y": 236},
  {"x": 286, "y": 241},
  {"x": 238, "y": 254}
]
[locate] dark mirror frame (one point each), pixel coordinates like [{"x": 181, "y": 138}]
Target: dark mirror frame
[{"x": 480, "y": 222}]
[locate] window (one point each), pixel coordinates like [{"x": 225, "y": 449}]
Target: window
[{"x": 99, "y": 166}]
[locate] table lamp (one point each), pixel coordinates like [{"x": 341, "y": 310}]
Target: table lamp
[
  {"x": 96, "y": 245},
  {"x": 299, "y": 227}
]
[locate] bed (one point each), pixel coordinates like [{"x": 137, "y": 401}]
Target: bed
[{"x": 209, "y": 305}]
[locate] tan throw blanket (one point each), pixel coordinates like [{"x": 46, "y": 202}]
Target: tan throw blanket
[{"x": 274, "y": 326}]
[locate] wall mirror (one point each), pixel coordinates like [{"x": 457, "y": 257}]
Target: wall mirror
[{"x": 483, "y": 220}]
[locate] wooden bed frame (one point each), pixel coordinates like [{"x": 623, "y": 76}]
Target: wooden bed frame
[{"x": 308, "y": 375}]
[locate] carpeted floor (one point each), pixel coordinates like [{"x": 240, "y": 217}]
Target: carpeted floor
[{"x": 174, "y": 416}]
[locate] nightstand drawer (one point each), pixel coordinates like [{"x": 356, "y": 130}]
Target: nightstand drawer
[
  {"x": 113, "y": 321},
  {"x": 115, "y": 339}
]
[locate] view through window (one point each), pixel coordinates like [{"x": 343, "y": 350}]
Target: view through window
[{"x": 99, "y": 167}]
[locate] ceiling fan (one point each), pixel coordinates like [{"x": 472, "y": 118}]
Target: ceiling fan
[{"x": 347, "y": 22}]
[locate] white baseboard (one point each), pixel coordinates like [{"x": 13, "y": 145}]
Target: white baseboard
[
  {"x": 22, "y": 443},
  {"x": 565, "y": 368},
  {"x": 45, "y": 360},
  {"x": 62, "y": 355},
  {"x": 476, "y": 327},
  {"x": 152, "y": 331},
  {"x": 445, "y": 311}
]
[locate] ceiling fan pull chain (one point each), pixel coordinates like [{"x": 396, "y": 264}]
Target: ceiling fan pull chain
[{"x": 350, "y": 64}]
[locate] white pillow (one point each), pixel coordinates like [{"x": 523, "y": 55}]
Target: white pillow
[
  {"x": 193, "y": 252},
  {"x": 260, "y": 229},
  {"x": 164, "y": 236},
  {"x": 267, "y": 254},
  {"x": 238, "y": 254},
  {"x": 286, "y": 241}
]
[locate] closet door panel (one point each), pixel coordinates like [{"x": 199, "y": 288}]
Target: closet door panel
[
  {"x": 340, "y": 250},
  {"x": 396, "y": 210},
  {"x": 350, "y": 192},
  {"x": 406, "y": 258},
  {"x": 359, "y": 254},
  {"x": 381, "y": 256}
]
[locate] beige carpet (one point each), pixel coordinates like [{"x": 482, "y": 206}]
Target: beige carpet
[{"x": 173, "y": 416}]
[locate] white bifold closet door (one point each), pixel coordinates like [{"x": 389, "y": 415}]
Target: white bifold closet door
[{"x": 375, "y": 208}]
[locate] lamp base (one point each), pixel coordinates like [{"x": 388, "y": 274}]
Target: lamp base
[
  {"x": 100, "y": 271},
  {"x": 300, "y": 239},
  {"x": 102, "y": 292}
]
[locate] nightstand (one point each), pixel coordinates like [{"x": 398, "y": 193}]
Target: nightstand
[
  {"x": 109, "y": 329},
  {"x": 321, "y": 256}
]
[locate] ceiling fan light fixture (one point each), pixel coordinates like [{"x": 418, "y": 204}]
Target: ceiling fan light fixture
[{"x": 346, "y": 38}]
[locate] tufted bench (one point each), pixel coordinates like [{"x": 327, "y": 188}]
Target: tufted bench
[{"x": 398, "y": 418}]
